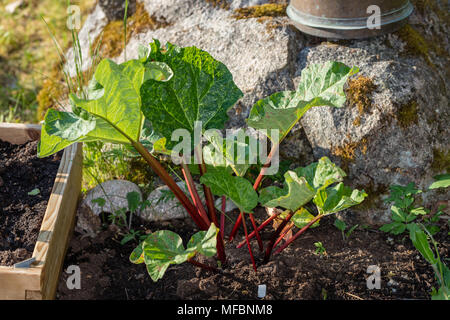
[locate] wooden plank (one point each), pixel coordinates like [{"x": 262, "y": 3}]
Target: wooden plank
[
  {"x": 14, "y": 283},
  {"x": 59, "y": 219},
  {"x": 41, "y": 279},
  {"x": 18, "y": 133}
]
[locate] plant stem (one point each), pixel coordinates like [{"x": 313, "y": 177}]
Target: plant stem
[
  {"x": 283, "y": 234},
  {"x": 222, "y": 217},
  {"x": 201, "y": 265},
  {"x": 168, "y": 180},
  {"x": 194, "y": 194},
  {"x": 261, "y": 226},
  {"x": 211, "y": 208},
  {"x": 248, "y": 242},
  {"x": 208, "y": 197},
  {"x": 266, "y": 165},
  {"x": 275, "y": 235},
  {"x": 288, "y": 242},
  {"x": 255, "y": 186},
  {"x": 255, "y": 230}
]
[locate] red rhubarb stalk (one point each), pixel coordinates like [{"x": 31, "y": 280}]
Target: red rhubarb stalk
[
  {"x": 255, "y": 186},
  {"x": 283, "y": 234},
  {"x": 275, "y": 235},
  {"x": 168, "y": 180},
  {"x": 248, "y": 242},
  {"x": 261, "y": 226},
  {"x": 298, "y": 234},
  {"x": 194, "y": 194}
]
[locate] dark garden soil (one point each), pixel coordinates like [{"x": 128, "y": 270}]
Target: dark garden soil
[
  {"x": 21, "y": 171},
  {"x": 296, "y": 273}
]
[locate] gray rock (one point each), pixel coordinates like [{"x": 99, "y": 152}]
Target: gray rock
[
  {"x": 260, "y": 58},
  {"x": 229, "y": 205},
  {"x": 114, "y": 192},
  {"x": 115, "y": 9},
  {"x": 165, "y": 206},
  {"x": 88, "y": 223},
  {"x": 92, "y": 27},
  {"x": 12, "y": 7},
  {"x": 394, "y": 140}
]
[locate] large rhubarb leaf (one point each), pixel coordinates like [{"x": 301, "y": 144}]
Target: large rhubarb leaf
[
  {"x": 112, "y": 113},
  {"x": 238, "y": 151},
  {"x": 296, "y": 193},
  {"x": 163, "y": 248},
  {"x": 201, "y": 89},
  {"x": 320, "y": 85},
  {"x": 338, "y": 198},
  {"x": 237, "y": 189}
]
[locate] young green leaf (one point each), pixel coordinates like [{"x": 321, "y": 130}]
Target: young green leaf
[
  {"x": 237, "y": 189},
  {"x": 341, "y": 225},
  {"x": 302, "y": 217},
  {"x": 204, "y": 242},
  {"x": 238, "y": 151},
  {"x": 394, "y": 228},
  {"x": 137, "y": 256},
  {"x": 34, "y": 192},
  {"x": 420, "y": 241},
  {"x": 320, "y": 85},
  {"x": 202, "y": 89},
  {"x": 163, "y": 248},
  {"x": 442, "y": 181},
  {"x": 338, "y": 198},
  {"x": 296, "y": 193},
  {"x": 321, "y": 174},
  {"x": 133, "y": 199}
]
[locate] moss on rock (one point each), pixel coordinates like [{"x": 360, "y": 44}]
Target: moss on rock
[
  {"x": 51, "y": 93},
  {"x": 219, "y": 4},
  {"x": 261, "y": 11},
  {"x": 359, "y": 93},
  {"x": 441, "y": 160},
  {"x": 407, "y": 114},
  {"x": 110, "y": 42},
  {"x": 347, "y": 152}
]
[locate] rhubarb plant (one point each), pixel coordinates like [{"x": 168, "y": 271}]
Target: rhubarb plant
[{"x": 149, "y": 103}]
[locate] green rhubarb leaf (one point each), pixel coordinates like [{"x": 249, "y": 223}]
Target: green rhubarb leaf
[
  {"x": 163, "y": 248},
  {"x": 338, "y": 198},
  {"x": 137, "y": 256},
  {"x": 321, "y": 174},
  {"x": 238, "y": 151},
  {"x": 49, "y": 145},
  {"x": 204, "y": 242},
  {"x": 442, "y": 181},
  {"x": 302, "y": 217},
  {"x": 295, "y": 194},
  {"x": 201, "y": 89},
  {"x": 324, "y": 83},
  {"x": 111, "y": 114},
  {"x": 320, "y": 85},
  {"x": 237, "y": 189},
  {"x": 117, "y": 111}
]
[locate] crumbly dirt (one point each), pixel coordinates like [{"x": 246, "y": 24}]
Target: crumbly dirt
[
  {"x": 21, "y": 171},
  {"x": 296, "y": 273}
]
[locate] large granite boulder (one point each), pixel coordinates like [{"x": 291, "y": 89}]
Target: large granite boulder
[{"x": 394, "y": 127}]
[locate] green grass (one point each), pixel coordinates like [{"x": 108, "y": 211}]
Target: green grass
[{"x": 28, "y": 55}]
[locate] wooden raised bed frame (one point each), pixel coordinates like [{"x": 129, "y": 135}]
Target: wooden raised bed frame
[{"x": 40, "y": 280}]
